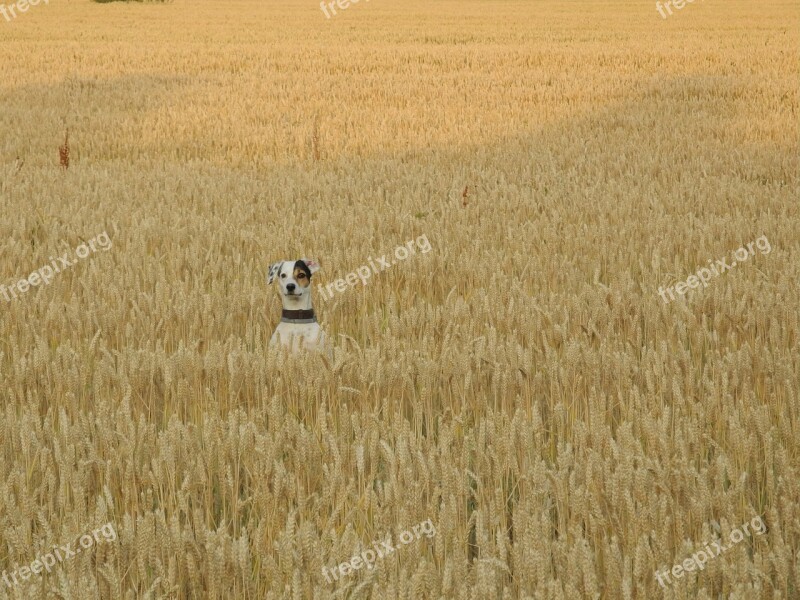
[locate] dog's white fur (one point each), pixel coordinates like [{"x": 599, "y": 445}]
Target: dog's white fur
[{"x": 295, "y": 288}]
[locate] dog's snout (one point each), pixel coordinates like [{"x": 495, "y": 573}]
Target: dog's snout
[{"x": 290, "y": 287}]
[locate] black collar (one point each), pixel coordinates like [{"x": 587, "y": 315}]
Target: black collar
[{"x": 298, "y": 316}]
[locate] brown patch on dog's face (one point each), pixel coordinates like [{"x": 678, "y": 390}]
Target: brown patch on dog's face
[{"x": 302, "y": 274}]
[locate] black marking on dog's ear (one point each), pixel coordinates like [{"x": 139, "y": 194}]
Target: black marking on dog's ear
[
  {"x": 274, "y": 269},
  {"x": 300, "y": 264}
]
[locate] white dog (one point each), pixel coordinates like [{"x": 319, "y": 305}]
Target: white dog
[{"x": 298, "y": 327}]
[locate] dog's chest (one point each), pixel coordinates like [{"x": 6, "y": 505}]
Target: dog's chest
[{"x": 310, "y": 335}]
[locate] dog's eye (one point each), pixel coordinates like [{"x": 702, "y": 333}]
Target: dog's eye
[
  {"x": 301, "y": 276},
  {"x": 283, "y": 275}
]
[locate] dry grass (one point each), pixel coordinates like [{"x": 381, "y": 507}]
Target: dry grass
[{"x": 522, "y": 384}]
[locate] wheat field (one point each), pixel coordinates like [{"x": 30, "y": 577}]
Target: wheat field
[{"x": 523, "y": 386}]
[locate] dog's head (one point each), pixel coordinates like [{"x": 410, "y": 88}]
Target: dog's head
[{"x": 294, "y": 277}]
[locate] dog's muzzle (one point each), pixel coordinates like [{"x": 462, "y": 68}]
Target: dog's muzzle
[{"x": 298, "y": 316}]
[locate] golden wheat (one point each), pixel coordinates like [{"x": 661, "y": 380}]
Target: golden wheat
[{"x": 522, "y": 384}]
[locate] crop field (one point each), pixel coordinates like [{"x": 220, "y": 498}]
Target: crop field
[{"x": 579, "y": 379}]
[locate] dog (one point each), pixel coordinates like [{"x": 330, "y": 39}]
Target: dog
[{"x": 298, "y": 327}]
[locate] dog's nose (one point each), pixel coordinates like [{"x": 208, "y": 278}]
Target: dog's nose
[{"x": 290, "y": 287}]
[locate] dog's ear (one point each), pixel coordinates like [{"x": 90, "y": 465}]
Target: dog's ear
[
  {"x": 312, "y": 265},
  {"x": 274, "y": 269}
]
